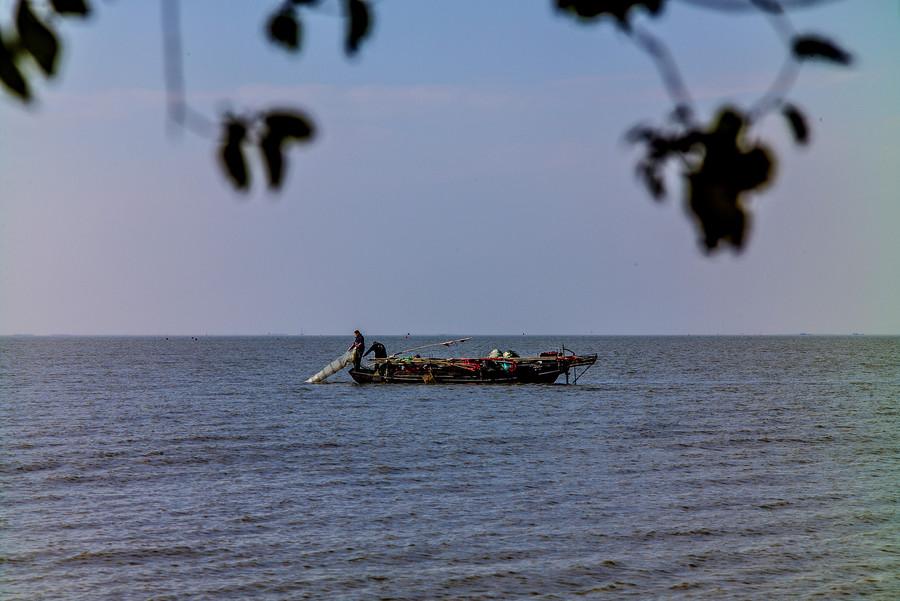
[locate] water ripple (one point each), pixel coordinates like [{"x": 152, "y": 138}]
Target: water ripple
[{"x": 703, "y": 468}]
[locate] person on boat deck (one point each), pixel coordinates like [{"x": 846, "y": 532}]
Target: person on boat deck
[
  {"x": 378, "y": 349},
  {"x": 359, "y": 343}
]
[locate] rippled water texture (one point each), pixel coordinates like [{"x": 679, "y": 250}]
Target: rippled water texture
[{"x": 709, "y": 468}]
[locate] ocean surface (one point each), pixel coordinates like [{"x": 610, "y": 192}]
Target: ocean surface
[{"x": 678, "y": 467}]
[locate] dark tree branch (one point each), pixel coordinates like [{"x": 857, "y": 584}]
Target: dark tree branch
[
  {"x": 774, "y": 97},
  {"x": 721, "y": 165},
  {"x": 751, "y": 5},
  {"x": 668, "y": 70},
  {"x": 174, "y": 71},
  {"x": 178, "y": 110}
]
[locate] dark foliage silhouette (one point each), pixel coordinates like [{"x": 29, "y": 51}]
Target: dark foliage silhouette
[
  {"x": 232, "y": 152},
  {"x": 619, "y": 9},
  {"x": 34, "y": 39},
  {"x": 721, "y": 163},
  {"x": 285, "y": 25},
  {"x": 270, "y": 132},
  {"x": 37, "y": 39},
  {"x": 815, "y": 47},
  {"x": 720, "y": 166}
]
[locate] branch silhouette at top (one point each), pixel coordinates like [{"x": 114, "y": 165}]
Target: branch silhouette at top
[{"x": 721, "y": 162}]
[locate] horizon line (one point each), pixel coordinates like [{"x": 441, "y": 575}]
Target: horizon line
[{"x": 441, "y": 334}]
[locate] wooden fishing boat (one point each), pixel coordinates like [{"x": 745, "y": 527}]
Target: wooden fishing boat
[{"x": 507, "y": 368}]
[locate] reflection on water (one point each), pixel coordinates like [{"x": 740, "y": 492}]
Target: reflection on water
[{"x": 705, "y": 467}]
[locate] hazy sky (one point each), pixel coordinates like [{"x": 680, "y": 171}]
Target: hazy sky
[{"x": 470, "y": 177}]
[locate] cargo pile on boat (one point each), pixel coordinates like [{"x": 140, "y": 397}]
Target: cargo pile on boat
[{"x": 497, "y": 368}]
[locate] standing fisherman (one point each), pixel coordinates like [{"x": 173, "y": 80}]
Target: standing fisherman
[{"x": 358, "y": 346}]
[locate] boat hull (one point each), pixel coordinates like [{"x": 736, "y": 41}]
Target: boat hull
[{"x": 473, "y": 371}]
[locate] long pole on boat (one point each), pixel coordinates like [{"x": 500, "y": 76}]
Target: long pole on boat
[{"x": 445, "y": 343}]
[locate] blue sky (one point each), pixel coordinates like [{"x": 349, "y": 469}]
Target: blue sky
[{"x": 469, "y": 177}]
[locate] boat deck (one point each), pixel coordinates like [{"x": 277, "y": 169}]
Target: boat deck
[{"x": 542, "y": 369}]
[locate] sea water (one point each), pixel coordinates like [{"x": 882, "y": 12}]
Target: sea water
[{"x": 697, "y": 467}]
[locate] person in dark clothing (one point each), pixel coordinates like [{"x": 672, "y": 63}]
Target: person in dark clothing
[
  {"x": 383, "y": 367},
  {"x": 378, "y": 349},
  {"x": 359, "y": 343}
]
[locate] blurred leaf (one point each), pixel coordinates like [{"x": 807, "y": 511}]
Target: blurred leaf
[
  {"x": 71, "y": 7},
  {"x": 358, "y": 26},
  {"x": 682, "y": 113},
  {"x": 797, "y": 122},
  {"x": 288, "y": 124},
  {"x": 306, "y": 2},
  {"x": 729, "y": 126},
  {"x": 716, "y": 187},
  {"x": 815, "y": 47},
  {"x": 718, "y": 210},
  {"x": 647, "y": 171},
  {"x": 588, "y": 10},
  {"x": 11, "y": 76},
  {"x": 640, "y": 133},
  {"x": 585, "y": 9},
  {"x": 755, "y": 168},
  {"x": 273, "y": 159},
  {"x": 284, "y": 29},
  {"x": 282, "y": 126},
  {"x": 231, "y": 153},
  {"x": 36, "y": 38},
  {"x": 719, "y": 166}
]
